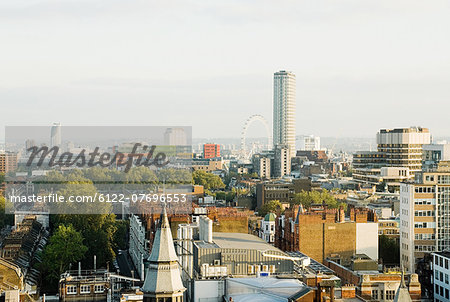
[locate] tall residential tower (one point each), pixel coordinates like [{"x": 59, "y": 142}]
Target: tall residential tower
[
  {"x": 284, "y": 109},
  {"x": 55, "y": 137}
]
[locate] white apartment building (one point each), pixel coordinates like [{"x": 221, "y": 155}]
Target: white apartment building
[
  {"x": 267, "y": 229},
  {"x": 138, "y": 248},
  {"x": 441, "y": 275},
  {"x": 425, "y": 215},
  {"x": 309, "y": 143},
  {"x": 284, "y": 103}
]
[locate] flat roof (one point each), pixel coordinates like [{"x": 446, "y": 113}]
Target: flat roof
[{"x": 237, "y": 241}]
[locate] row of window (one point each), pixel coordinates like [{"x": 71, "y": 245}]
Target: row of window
[
  {"x": 440, "y": 276},
  {"x": 425, "y": 189},
  {"x": 440, "y": 261},
  {"x": 424, "y": 248},
  {"x": 444, "y": 179},
  {"x": 85, "y": 289},
  {"x": 439, "y": 290},
  {"x": 390, "y": 295},
  {"x": 424, "y": 213},
  {"x": 418, "y": 201},
  {"x": 424, "y": 236}
]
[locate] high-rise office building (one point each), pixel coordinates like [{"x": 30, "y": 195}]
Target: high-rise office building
[
  {"x": 55, "y": 137},
  {"x": 284, "y": 109},
  {"x": 398, "y": 158}
]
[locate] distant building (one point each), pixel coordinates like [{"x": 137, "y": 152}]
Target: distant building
[
  {"x": 211, "y": 150},
  {"x": 55, "y": 136},
  {"x": 424, "y": 222},
  {"x": 317, "y": 156},
  {"x": 282, "y": 190},
  {"x": 282, "y": 161},
  {"x": 398, "y": 158},
  {"x": 262, "y": 165},
  {"x": 8, "y": 162},
  {"x": 389, "y": 228},
  {"x": 309, "y": 143},
  {"x": 441, "y": 275},
  {"x": 29, "y": 143},
  {"x": 284, "y": 103},
  {"x": 175, "y": 137},
  {"x": 433, "y": 154},
  {"x": 267, "y": 228},
  {"x": 208, "y": 165}
]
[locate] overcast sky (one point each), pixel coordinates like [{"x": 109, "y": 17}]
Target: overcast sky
[{"x": 360, "y": 65}]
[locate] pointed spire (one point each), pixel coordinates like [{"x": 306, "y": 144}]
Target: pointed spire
[
  {"x": 163, "y": 275},
  {"x": 402, "y": 284},
  {"x": 402, "y": 294},
  {"x": 164, "y": 221}
]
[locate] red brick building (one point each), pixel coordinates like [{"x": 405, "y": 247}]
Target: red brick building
[{"x": 211, "y": 150}]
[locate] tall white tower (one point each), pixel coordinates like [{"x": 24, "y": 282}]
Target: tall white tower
[
  {"x": 55, "y": 137},
  {"x": 284, "y": 109}
]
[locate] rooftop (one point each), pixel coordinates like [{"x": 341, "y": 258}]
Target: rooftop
[{"x": 237, "y": 241}]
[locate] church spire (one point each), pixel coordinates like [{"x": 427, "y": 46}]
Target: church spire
[
  {"x": 402, "y": 294},
  {"x": 163, "y": 279}
]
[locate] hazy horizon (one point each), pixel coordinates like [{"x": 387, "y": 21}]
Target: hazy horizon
[{"x": 360, "y": 66}]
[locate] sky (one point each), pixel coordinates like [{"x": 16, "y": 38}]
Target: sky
[{"x": 360, "y": 65}]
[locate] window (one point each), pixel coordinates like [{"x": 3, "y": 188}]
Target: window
[
  {"x": 390, "y": 294},
  {"x": 374, "y": 294},
  {"x": 71, "y": 290},
  {"x": 85, "y": 289},
  {"x": 99, "y": 289}
]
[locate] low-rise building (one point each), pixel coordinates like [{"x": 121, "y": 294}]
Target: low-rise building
[
  {"x": 320, "y": 232},
  {"x": 85, "y": 286},
  {"x": 372, "y": 285},
  {"x": 267, "y": 228},
  {"x": 282, "y": 190}
]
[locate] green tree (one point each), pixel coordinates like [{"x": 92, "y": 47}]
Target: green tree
[
  {"x": 5, "y": 219},
  {"x": 270, "y": 207},
  {"x": 307, "y": 198},
  {"x": 207, "y": 180},
  {"x": 65, "y": 247},
  {"x": 389, "y": 250}
]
